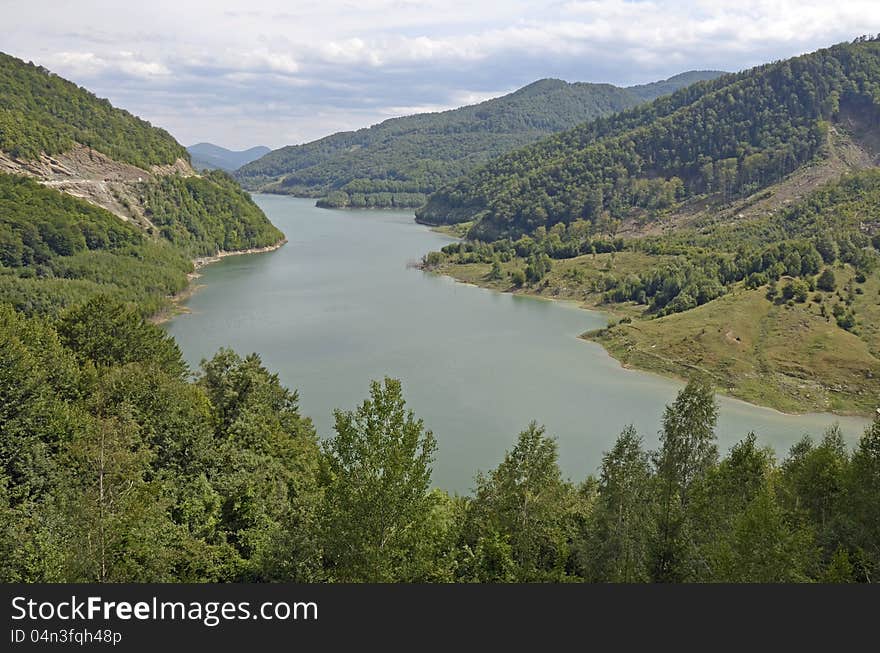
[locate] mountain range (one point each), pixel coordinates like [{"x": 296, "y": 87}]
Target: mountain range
[
  {"x": 732, "y": 228},
  {"x": 730, "y": 136},
  {"x": 731, "y": 231},
  {"x": 400, "y": 161},
  {"x": 207, "y": 156}
]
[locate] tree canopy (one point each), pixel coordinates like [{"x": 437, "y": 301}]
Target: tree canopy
[
  {"x": 730, "y": 136},
  {"x": 117, "y": 465},
  {"x": 42, "y": 113},
  {"x": 399, "y": 161}
]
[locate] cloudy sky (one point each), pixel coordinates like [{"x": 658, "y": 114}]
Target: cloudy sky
[{"x": 277, "y": 72}]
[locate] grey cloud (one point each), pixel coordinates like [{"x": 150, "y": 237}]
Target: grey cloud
[{"x": 264, "y": 74}]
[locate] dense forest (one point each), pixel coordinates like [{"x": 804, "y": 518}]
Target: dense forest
[
  {"x": 690, "y": 266},
  {"x": 398, "y": 162},
  {"x": 202, "y": 215},
  {"x": 119, "y": 463},
  {"x": 41, "y": 113},
  {"x": 57, "y": 251},
  {"x": 727, "y": 137},
  {"x": 116, "y": 466}
]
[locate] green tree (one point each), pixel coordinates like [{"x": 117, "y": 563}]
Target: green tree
[
  {"x": 377, "y": 472},
  {"x": 116, "y": 517},
  {"x": 827, "y": 281},
  {"x": 495, "y": 273},
  {"x": 772, "y": 291},
  {"x": 734, "y": 517},
  {"x": 796, "y": 290},
  {"x": 764, "y": 548},
  {"x": 839, "y": 569},
  {"x": 265, "y": 469},
  {"x": 828, "y": 248},
  {"x": 491, "y": 561},
  {"x": 518, "y": 278},
  {"x": 687, "y": 452},
  {"x": 622, "y": 524},
  {"x": 813, "y": 485},
  {"x": 863, "y": 496},
  {"x": 525, "y": 502},
  {"x": 107, "y": 332}
]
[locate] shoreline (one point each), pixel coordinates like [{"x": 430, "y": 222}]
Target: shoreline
[
  {"x": 318, "y": 198},
  {"x": 202, "y": 261},
  {"x": 581, "y": 305},
  {"x": 588, "y": 337},
  {"x": 175, "y": 307}
]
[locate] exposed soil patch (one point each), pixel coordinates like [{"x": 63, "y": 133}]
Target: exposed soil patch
[
  {"x": 96, "y": 178},
  {"x": 853, "y": 144}
]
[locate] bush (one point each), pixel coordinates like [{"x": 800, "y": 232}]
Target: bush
[
  {"x": 797, "y": 291},
  {"x": 827, "y": 281},
  {"x": 518, "y": 278}
]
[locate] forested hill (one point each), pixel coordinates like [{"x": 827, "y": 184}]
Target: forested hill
[
  {"x": 95, "y": 201},
  {"x": 398, "y": 161},
  {"x": 41, "y": 113},
  {"x": 648, "y": 92},
  {"x": 729, "y": 137}
]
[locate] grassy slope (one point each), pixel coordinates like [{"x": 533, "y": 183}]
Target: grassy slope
[
  {"x": 785, "y": 357},
  {"x": 761, "y": 372},
  {"x": 570, "y": 279}
]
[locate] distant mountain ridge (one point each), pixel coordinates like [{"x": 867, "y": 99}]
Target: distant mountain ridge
[
  {"x": 653, "y": 90},
  {"x": 401, "y": 160},
  {"x": 207, "y": 156}
]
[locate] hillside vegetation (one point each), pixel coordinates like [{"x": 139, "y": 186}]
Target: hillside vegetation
[
  {"x": 41, "y": 113},
  {"x": 203, "y": 215},
  {"x": 780, "y": 309},
  {"x": 57, "y": 251},
  {"x": 116, "y": 465},
  {"x": 94, "y": 201},
  {"x": 399, "y": 161},
  {"x": 119, "y": 463},
  {"x": 726, "y": 138}
]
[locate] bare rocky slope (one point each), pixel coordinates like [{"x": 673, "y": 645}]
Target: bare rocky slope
[{"x": 96, "y": 178}]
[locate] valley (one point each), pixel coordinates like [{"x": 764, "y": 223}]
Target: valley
[
  {"x": 341, "y": 409},
  {"x": 338, "y": 302},
  {"x": 399, "y": 162}
]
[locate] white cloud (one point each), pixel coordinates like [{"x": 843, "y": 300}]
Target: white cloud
[
  {"x": 89, "y": 64},
  {"x": 333, "y": 64},
  {"x": 465, "y": 98}
]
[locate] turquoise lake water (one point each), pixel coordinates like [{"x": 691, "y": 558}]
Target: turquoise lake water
[{"x": 337, "y": 306}]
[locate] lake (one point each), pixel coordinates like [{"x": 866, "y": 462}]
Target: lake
[{"x": 337, "y": 306}]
